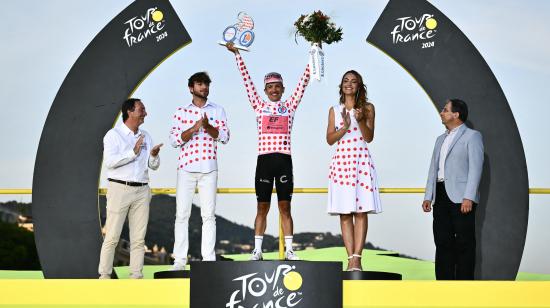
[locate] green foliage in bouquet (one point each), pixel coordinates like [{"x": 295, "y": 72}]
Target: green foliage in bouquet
[{"x": 317, "y": 28}]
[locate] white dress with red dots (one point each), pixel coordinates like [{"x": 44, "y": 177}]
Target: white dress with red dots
[
  {"x": 274, "y": 119},
  {"x": 353, "y": 185}
]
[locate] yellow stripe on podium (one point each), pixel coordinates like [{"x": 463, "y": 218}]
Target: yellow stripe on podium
[
  {"x": 175, "y": 292},
  {"x": 446, "y": 294},
  {"x": 113, "y": 292}
]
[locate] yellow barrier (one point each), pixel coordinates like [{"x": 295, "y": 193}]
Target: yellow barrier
[
  {"x": 356, "y": 294},
  {"x": 172, "y": 191}
]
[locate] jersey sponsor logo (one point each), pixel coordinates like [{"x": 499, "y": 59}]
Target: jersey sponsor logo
[{"x": 274, "y": 124}]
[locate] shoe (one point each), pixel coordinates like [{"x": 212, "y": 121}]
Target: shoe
[
  {"x": 256, "y": 255},
  {"x": 104, "y": 276},
  {"x": 179, "y": 265},
  {"x": 291, "y": 256},
  {"x": 355, "y": 269}
]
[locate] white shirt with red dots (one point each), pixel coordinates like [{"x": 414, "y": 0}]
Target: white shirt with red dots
[{"x": 199, "y": 154}]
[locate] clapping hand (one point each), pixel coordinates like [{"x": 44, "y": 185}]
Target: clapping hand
[
  {"x": 197, "y": 126},
  {"x": 137, "y": 146},
  {"x": 346, "y": 118},
  {"x": 156, "y": 149},
  {"x": 360, "y": 114},
  {"x": 204, "y": 121}
]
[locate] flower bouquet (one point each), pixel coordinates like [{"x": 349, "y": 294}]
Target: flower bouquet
[{"x": 317, "y": 29}]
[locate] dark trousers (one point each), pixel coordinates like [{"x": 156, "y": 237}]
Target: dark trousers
[{"x": 455, "y": 238}]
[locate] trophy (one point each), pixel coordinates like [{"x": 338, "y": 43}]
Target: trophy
[
  {"x": 317, "y": 29},
  {"x": 240, "y": 34}
]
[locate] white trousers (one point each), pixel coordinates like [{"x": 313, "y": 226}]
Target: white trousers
[
  {"x": 125, "y": 201},
  {"x": 207, "y": 184}
]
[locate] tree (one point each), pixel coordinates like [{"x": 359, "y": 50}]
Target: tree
[{"x": 17, "y": 248}]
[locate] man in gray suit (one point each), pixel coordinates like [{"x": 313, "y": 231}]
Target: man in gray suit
[{"x": 453, "y": 188}]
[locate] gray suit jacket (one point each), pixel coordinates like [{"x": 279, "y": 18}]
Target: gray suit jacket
[{"x": 463, "y": 166}]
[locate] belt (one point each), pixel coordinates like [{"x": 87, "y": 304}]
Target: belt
[
  {"x": 127, "y": 183},
  {"x": 440, "y": 180}
]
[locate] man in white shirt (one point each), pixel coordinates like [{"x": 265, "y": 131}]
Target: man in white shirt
[
  {"x": 453, "y": 188},
  {"x": 128, "y": 152},
  {"x": 196, "y": 129}
]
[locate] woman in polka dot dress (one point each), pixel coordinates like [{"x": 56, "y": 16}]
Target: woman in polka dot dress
[{"x": 353, "y": 187}]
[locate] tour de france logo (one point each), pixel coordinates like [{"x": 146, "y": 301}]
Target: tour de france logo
[
  {"x": 240, "y": 33},
  {"x": 141, "y": 27},
  {"x": 412, "y": 29},
  {"x": 280, "y": 288}
]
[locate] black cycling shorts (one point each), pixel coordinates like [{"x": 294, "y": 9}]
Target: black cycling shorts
[{"x": 274, "y": 167}]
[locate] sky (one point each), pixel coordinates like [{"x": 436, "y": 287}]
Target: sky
[{"x": 43, "y": 39}]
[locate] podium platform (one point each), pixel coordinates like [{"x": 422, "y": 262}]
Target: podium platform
[
  {"x": 370, "y": 275},
  {"x": 302, "y": 284},
  {"x": 351, "y": 275},
  {"x": 172, "y": 274},
  {"x": 175, "y": 293}
]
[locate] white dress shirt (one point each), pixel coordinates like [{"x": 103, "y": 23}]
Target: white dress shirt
[
  {"x": 444, "y": 150},
  {"x": 119, "y": 157},
  {"x": 199, "y": 154}
]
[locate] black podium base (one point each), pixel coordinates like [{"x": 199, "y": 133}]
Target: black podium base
[
  {"x": 268, "y": 283},
  {"x": 172, "y": 274},
  {"x": 370, "y": 275}
]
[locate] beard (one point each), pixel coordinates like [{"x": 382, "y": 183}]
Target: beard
[{"x": 200, "y": 95}]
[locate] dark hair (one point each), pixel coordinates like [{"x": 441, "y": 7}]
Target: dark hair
[
  {"x": 458, "y": 105},
  {"x": 128, "y": 105},
  {"x": 199, "y": 77},
  {"x": 361, "y": 95}
]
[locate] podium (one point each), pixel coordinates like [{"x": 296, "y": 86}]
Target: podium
[{"x": 300, "y": 284}]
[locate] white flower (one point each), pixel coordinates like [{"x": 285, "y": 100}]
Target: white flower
[{"x": 306, "y": 19}]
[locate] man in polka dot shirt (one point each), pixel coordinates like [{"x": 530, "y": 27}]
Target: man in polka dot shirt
[
  {"x": 196, "y": 129},
  {"x": 274, "y": 120}
]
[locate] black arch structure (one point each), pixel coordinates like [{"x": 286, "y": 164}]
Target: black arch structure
[
  {"x": 68, "y": 162},
  {"x": 453, "y": 67},
  {"x": 67, "y": 167}
]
